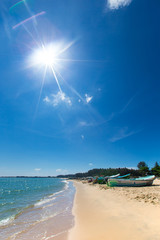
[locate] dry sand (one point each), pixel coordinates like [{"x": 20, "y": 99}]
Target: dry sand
[{"x": 116, "y": 213}]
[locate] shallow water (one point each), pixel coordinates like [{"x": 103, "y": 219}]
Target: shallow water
[{"x": 39, "y": 208}]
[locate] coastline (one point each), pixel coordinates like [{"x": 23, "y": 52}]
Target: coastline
[
  {"x": 48, "y": 217},
  {"x": 114, "y": 213}
]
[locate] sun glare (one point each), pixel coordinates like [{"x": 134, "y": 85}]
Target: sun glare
[
  {"x": 46, "y": 55},
  {"x": 51, "y": 57}
]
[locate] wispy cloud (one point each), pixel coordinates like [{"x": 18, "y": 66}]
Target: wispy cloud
[
  {"x": 123, "y": 133},
  {"x": 82, "y": 136},
  {"x": 37, "y": 169},
  {"x": 62, "y": 171},
  {"x": 88, "y": 98},
  {"x": 56, "y": 99},
  {"x": 86, "y": 124},
  {"x": 90, "y": 164},
  {"x": 127, "y": 104},
  {"x": 114, "y": 114},
  {"x": 115, "y": 4}
]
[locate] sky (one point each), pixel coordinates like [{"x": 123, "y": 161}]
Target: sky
[{"x": 79, "y": 85}]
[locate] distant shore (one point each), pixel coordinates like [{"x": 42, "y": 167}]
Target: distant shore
[{"x": 117, "y": 213}]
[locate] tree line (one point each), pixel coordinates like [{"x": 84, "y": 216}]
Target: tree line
[{"x": 142, "y": 170}]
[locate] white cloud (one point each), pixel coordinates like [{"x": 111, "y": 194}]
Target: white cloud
[
  {"x": 59, "y": 170},
  {"x": 115, "y": 4},
  {"x": 122, "y": 133},
  {"x": 88, "y": 98},
  {"x": 37, "y": 169},
  {"x": 85, "y": 124},
  {"x": 56, "y": 99},
  {"x": 82, "y": 136},
  {"x": 46, "y": 99},
  {"x": 90, "y": 164}
]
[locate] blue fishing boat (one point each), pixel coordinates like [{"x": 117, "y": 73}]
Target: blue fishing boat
[
  {"x": 124, "y": 176},
  {"x": 102, "y": 180},
  {"x": 131, "y": 182},
  {"x": 113, "y": 176}
]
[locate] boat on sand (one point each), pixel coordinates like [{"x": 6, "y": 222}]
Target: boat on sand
[{"x": 131, "y": 182}]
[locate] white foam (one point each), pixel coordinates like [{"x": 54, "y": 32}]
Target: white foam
[
  {"x": 66, "y": 184},
  {"x": 53, "y": 236},
  {"x": 6, "y": 221},
  {"x": 52, "y": 197},
  {"x": 44, "y": 201}
]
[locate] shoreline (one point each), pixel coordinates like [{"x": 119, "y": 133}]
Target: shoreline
[
  {"x": 48, "y": 218},
  {"x": 115, "y": 213}
]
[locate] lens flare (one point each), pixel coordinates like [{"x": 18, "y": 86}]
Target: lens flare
[
  {"x": 28, "y": 19},
  {"x": 16, "y": 4}
]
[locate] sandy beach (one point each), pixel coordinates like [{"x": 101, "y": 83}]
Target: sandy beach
[{"x": 116, "y": 213}]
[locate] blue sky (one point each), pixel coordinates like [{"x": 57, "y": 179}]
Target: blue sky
[{"x": 97, "y": 105}]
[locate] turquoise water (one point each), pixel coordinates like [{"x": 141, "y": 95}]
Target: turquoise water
[
  {"x": 26, "y": 203},
  {"x": 16, "y": 194}
]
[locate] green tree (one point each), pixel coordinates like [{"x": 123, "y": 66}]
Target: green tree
[
  {"x": 156, "y": 169},
  {"x": 141, "y": 164},
  {"x": 156, "y": 164},
  {"x": 143, "y": 168}
]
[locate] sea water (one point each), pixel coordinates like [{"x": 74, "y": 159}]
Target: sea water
[{"x": 35, "y": 208}]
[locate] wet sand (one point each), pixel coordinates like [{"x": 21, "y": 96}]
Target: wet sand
[
  {"x": 48, "y": 219},
  {"x": 116, "y": 213}
]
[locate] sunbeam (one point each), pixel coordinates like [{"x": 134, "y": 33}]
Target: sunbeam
[
  {"x": 40, "y": 93},
  {"x": 46, "y": 56},
  {"x": 69, "y": 86},
  {"x": 57, "y": 81}
]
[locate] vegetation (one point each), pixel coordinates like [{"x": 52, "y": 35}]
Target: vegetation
[
  {"x": 156, "y": 170},
  {"x": 104, "y": 172},
  {"x": 142, "y": 170}
]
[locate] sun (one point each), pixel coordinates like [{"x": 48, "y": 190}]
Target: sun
[
  {"x": 45, "y": 56},
  {"x": 52, "y": 57}
]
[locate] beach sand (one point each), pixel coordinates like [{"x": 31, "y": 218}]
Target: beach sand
[{"x": 116, "y": 213}]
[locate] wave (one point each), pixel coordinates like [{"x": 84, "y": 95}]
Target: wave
[
  {"x": 54, "y": 235},
  {"x": 43, "y": 201},
  {"x": 7, "y": 221},
  {"x": 66, "y": 184},
  {"x": 34, "y": 224},
  {"x": 52, "y": 196}
]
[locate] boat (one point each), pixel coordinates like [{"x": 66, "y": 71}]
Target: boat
[
  {"x": 124, "y": 176},
  {"x": 117, "y": 176},
  {"x": 103, "y": 180},
  {"x": 131, "y": 182},
  {"x": 113, "y": 176},
  {"x": 89, "y": 179}
]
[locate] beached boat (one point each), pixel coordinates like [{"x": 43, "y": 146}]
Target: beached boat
[
  {"x": 102, "y": 180},
  {"x": 132, "y": 182},
  {"x": 124, "y": 176},
  {"x": 113, "y": 176},
  {"x": 89, "y": 179}
]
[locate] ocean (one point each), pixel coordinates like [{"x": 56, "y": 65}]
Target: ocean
[{"x": 35, "y": 208}]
